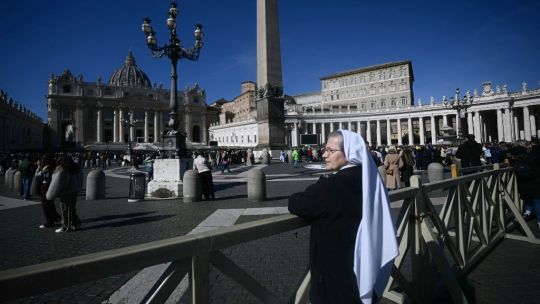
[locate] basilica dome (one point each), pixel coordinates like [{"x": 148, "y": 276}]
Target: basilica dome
[{"x": 130, "y": 75}]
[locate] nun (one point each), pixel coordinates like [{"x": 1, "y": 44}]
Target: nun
[{"x": 353, "y": 238}]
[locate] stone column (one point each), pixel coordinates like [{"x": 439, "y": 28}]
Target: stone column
[
  {"x": 379, "y": 140},
  {"x": 79, "y": 124},
  {"x": 458, "y": 126},
  {"x": 121, "y": 125},
  {"x": 204, "y": 128},
  {"x": 132, "y": 127},
  {"x": 156, "y": 126},
  {"x": 349, "y": 126},
  {"x": 516, "y": 128},
  {"x": 507, "y": 129},
  {"x": 476, "y": 120},
  {"x": 526, "y": 123},
  {"x": 421, "y": 124},
  {"x": 331, "y": 126},
  {"x": 146, "y": 126},
  {"x": 533, "y": 125},
  {"x": 98, "y": 125},
  {"x": 433, "y": 130},
  {"x": 368, "y": 132},
  {"x": 115, "y": 125},
  {"x": 445, "y": 121},
  {"x": 323, "y": 133},
  {"x": 399, "y": 140},
  {"x": 500, "y": 126},
  {"x": 410, "y": 131},
  {"x": 294, "y": 135},
  {"x": 470, "y": 123},
  {"x": 388, "y": 132}
]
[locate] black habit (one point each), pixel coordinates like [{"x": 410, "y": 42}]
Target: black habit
[{"x": 333, "y": 206}]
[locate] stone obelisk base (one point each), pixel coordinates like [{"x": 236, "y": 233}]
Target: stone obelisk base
[{"x": 271, "y": 125}]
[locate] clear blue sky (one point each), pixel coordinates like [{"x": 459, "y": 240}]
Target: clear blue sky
[{"x": 451, "y": 43}]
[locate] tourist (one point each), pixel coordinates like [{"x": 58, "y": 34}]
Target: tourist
[
  {"x": 407, "y": 169},
  {"x": 392, "y": 165},
  {"x": 65, "y": 184},
  {"x": 205, "y": 173},
  {"x": 27, "y": 169},
  {"x": 44, "y": 173}
]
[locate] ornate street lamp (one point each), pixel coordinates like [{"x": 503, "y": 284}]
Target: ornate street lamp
[
  {"x": 461, "y": 106},
  {"x": 173, "y": 141}
]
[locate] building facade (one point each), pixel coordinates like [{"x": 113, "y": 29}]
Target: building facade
[
  {"x": 378, "y": 102},
  {"x": 20, "y": 129},
  {"x": 128, "y": 108},
  {"x": 237, "y": 126}
]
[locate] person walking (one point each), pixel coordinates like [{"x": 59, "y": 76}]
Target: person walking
[
  {"x": 353, "y": 237},
  {"x": 205, "y": 173},
  {"x": 44, "y": 172},
  {"x": 295, "y": 157},
  {"x": 66, "y": 182},
  {"x": 27, "y": 169},
  {"x": 392, "y": 165}
]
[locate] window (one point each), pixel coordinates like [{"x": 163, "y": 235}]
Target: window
[
  {"x": 195, "y": 99},
  {"x": 66, "y": 114},
  {"x": 403, "y": 100},
  {"x": 66, "y": 89},
  {"x": 393, "y": 102}
]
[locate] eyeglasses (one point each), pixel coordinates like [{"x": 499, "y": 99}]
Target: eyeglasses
[{"x": 330, "y": 151}]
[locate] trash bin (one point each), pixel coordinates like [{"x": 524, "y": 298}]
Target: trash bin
[{"x": 137, "y": 187}]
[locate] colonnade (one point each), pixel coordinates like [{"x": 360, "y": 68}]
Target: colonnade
[
  {"x": 119, "y": 123},
  {"x": 507, "y": 124}
]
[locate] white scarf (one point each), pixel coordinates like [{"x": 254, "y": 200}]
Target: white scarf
[{"x": 376, "y": 244}]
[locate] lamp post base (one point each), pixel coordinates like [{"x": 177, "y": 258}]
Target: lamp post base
[{"x": 174, "y": 144}]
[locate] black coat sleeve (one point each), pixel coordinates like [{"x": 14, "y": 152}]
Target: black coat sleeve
[{"x": 311, "y": 203}]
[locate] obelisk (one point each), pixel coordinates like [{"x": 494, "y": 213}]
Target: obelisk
[
  {"x": 268, "y": 45},
  {"x": 270, "y": 103}
]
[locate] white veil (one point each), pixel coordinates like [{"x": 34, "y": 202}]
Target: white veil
[{"x": 376, "y": 244}]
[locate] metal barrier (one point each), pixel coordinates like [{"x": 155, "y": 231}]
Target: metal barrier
[{"x": 480, "y": 210}]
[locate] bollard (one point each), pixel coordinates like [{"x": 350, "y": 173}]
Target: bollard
[
  {"x": 7, "y": 176},
  {"x": 137, "y": 187},
  {"x": 17, "y": 182},
  {"x": 265, "y": 157},
  {"x": 435, "y": 172},
  {"x": 256, "y": 185},
  {"x": 289, "y": 156},
  {"x": 35, "y": 188},
  {"x": 250, "y": 158},
  {"x": 382, "y": 172},
  {"x": 191, "y": 187},
  {"x": 95, "y": 185}
]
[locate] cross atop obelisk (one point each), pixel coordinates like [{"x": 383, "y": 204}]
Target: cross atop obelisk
[{"x": 268, "y": 47}]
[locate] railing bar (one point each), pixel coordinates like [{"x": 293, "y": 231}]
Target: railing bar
[
  {"x": 167, "y": 282},
  {"x": 200, "y": 279},
  {"x": 230, "y": 269},
  {"x": 442, "y": 264}
]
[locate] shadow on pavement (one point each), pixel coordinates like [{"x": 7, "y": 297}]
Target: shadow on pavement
[
  {"x": 117, "y": 216},
  {"x": 132, "y": 221}
]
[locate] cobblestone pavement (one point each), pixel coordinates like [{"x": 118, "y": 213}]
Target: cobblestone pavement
[{"x": 508, "y": 275}]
